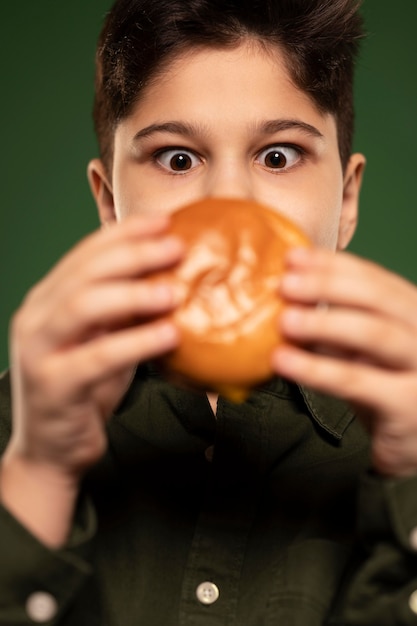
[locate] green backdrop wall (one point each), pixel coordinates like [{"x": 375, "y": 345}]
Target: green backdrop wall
[{"x": 47, "y": 51}]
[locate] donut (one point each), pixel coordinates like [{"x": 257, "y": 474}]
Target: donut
[{"x": 228, "y": 293}]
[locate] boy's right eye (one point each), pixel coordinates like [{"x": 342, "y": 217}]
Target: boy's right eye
[{"x": 177, "y": 160}]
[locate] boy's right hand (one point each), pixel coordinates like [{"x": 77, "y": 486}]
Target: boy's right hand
[{"x": 74, "y": 344}]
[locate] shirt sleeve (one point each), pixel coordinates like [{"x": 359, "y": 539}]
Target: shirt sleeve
[
  {"x": 39, "y": 585},
  {"x": 382, "y": 589}
]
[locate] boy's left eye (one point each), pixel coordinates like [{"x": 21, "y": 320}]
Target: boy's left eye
[
  {"x": 279, "y": 157},
  {"x": 177, "y": 160}
]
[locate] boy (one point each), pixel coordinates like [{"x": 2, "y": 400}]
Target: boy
[{"x": 127, "y": 500}]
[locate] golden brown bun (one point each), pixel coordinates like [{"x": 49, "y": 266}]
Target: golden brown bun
[{"x": 228, "y": 285}]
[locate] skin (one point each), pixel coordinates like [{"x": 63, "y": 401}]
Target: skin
[{"x": 74, "y": 345}]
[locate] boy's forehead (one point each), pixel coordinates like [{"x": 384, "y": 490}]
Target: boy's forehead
[
  {"x": 247, "y": 72},
  {"x": 248, "y": 55},
  {"x": 208, "y": 87}
]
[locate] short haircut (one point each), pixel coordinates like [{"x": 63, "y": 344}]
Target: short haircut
[{"x": 319, "y": 38}]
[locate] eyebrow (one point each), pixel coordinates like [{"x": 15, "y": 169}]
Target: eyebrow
[
  {"x": 263, "y": 128},
  {"x": 174, "y": 128},
  {"x": 275, "y": 126}
]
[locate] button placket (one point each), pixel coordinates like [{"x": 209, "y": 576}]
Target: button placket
[{"x": 214, "y": 565}]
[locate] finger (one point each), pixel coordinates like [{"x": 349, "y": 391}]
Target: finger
[
  {"x": 356, "y": 382},
  {"x": 389, "y": 344},
  {"x": 134, "y": 246},
  {"x": 109, "y": 354},
  {"x": 121, "y": 259},
  {"x": 117, "y": 235},
  {"x": 108, "y": 306},
  {"x": 68, "y": 297},
  {"x": 134, "y": 258},
  {"x": 345, "y": 280},
  {"x": 131, "y": 229}
]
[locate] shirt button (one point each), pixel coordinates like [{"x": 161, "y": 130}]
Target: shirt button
[
  {"x": 412, "y": 602},
  {"x": 413, "y": 539},
  {"x": 41, "y": 607},
  {"x": 207, "y": 593},
  {"x": 209, "y": 453}
]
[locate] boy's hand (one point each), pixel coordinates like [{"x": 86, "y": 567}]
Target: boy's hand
[
  {"x": 74, "y": 344},
  {"x": 355, "y": 329}
]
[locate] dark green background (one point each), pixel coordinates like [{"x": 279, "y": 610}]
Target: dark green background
[{"x": 47, "y": 51}]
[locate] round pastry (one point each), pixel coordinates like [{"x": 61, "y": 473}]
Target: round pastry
[{"x": 228, "y": 293}]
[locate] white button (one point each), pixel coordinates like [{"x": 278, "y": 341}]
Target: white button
[
  {"x": 41, "y": 607},
  {"x": 413, "y": 539},
  {"x": 209, "y": 453},
  {"x": 207, "y": 593},
  {"x": 412, "y": 602}
]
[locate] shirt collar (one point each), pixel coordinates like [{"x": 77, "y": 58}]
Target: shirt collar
[{"x": 332, "y": 414}]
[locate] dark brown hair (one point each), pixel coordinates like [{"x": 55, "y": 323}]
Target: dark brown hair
[{"x": 319, "y": 38}]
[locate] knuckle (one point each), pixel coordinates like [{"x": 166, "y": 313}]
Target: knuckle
[{"x": 79, "y": 305}]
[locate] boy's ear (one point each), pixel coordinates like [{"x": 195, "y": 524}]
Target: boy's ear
[
  {"x": 351, "y": 188},
  {"x": 101, "y": 190}
]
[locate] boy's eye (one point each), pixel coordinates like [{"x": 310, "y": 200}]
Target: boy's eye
[
  {"x": 176, "y": 160},
  {"x": 279, "y": 157}
]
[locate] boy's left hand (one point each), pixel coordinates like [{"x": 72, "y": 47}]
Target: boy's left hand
[{"x": 352, "y": 332}]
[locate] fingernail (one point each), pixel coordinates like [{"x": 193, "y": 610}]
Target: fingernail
[
  {"x": 298, "y": 255},
  {"x": 168, "y": 294},
  {"x": 163, "y": 294},
  {"x": 291, "y": 319},
  {"x": 168, "y": 333},
  {"x": 291, "y": 283},
  {"x": 172, "y": 244},
  {"x": 284, "y": 360}
]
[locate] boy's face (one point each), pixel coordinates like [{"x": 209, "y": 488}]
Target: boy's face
[{"x": 231, "y": 123}]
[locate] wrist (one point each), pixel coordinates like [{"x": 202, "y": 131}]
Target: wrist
[{"x": 40, "y": 496}]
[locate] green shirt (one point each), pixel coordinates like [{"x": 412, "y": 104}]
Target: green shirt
[{"x": 263, "y": 516}]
